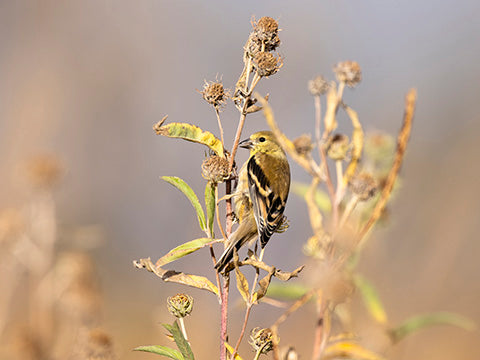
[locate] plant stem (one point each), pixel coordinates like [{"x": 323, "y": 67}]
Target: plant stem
[
  {"x": 182, "y": 327},
  {"x": 219, "y": 124},
  {"x": 318, "y": 122}
]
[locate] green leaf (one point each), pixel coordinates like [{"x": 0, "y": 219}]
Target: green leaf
[
  {"x": 161, "y": 350},
  {"x": 181, "y": 342},
  {"x": 188, "y": 192},
  {"x": 184, "y": 249},
  {"x": 321, "y": 198},
  {"x": 191, "y": 133},
  {"x": 210, "y": 206},
  {"x": 286, "y": 291},
  {"x": 419, "y": 322},
  {"x": 371, "y": 299}
]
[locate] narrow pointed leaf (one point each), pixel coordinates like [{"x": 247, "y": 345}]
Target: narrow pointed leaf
[
  {"x": 161, "y": 350},
  {"x": 349, "y": 350},
  {"x": 263, "y": 286},
  {"x": 189, "y": 193},
  {"x": 419, "y": 322},
  {"x": 210, "y": 206},
  {"x": 371, "y": 299},
  {"x": 184, "y": 249},
  {"x": 191, "y": 133},
  {"x": 181, "y": 342},
  {"x": 242, "y": 285}
]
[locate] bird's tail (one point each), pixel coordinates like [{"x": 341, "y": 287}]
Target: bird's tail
[{"x": 245, "y": 232}]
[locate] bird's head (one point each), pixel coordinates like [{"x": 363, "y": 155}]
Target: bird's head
[{"x": 262, "y": 141}]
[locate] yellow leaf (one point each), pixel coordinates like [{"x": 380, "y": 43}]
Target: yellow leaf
[
  {"x": 242, "y": 285},
  {"x": 351, "y": 350},
  {"x": 230, "y": 350},
  {"x": 371, "y": 299},
  {"x": 191, "y": 133}
]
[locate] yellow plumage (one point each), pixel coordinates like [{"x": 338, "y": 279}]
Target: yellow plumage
[{"x": 261, "y": 193}]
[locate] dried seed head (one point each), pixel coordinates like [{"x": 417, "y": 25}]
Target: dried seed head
[
  {"x": 266, "y": 64},
  {"x": 99, "y": 346},
  {"x": 290, "y": 354},
  {"x": 266, "y": 28},
  {"x": 337, "y": 146},
  {"x": 44, "y": 171},
  {"x": 318, "y": 86},
  {"x": 180, "y": 305},
  {"x": 214, "y": 93},
  {"x": 215, "y": 168},
  {"x": 348, "y": 72},
  {"x": 364, "y": 186},
  {"x": 261, "y": 340},
  {"x": 303, "y": 144}
]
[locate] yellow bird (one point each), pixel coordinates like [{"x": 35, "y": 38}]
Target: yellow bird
[{"x": 261, "y": 193}]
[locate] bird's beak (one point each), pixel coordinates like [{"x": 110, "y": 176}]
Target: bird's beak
[{"x": 246, "y": 144}]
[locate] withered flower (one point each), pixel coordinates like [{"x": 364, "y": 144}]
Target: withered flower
[
  {"x": 266, "y": 64},
  {"x": 261, "y": 340},
  {"x": 180, "y": 305},
  {"x": 214, "y": 93},
  {"x": 303, "y": 144},
  {"x": 215, "y": 168},
  {"x": 364, "y": 186},
  {"x": 348, "y": 72},
  {"x": 337, "y": 146},
  {"x": 318, "y": 85}
]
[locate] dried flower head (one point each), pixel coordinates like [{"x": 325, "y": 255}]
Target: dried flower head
[
  {"x": 214, "y": 93},
  {"x": 348, "y": 72},
  {"x": 215, "y": 168},
  {"x": 266, "y": 28},
  {"x": 318, "y": 85},
  {"x": 261, "y": 340},
  {"x": 364, "y": 186},
  {"x": 303, "y": 144},
  {"x": 337, "y": 146},
  {"x": 266, "y": 64},
  {"x": 180, "y": 305},
  {"x": 44, "y": 171}
]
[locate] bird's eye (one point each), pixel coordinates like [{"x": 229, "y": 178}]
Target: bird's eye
[{"x": 262, "y": 139}]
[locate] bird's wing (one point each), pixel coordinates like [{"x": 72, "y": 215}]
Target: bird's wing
[{"x": 267, "y": 206}]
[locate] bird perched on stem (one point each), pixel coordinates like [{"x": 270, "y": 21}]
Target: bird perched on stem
[{"x": 261, "y": 194}]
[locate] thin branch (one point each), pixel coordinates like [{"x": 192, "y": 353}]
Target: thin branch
[
  {"x": 219, "y": 124},
  {"x": 295, "y": 306},
  {"x": 402, "y": 141}
]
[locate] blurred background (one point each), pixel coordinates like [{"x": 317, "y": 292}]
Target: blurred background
[{"x": 82, "y": 83}]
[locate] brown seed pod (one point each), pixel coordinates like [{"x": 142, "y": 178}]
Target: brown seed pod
[
  {"x": 214, "y": 93},
  {"x": 303, "y": 144},
  {"x": 348, "y": 72},
  {"x": 266, "y": 64},
  {"x": 318, "y": 85},
  {"x": 215, "y": 168},
  {"x": 337, "y": 146},
  {"x": 364, "y": 186},
  {"x": 261, "y": 339}
]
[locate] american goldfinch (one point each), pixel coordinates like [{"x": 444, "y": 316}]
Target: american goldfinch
[{"x": 261, "y": 193}]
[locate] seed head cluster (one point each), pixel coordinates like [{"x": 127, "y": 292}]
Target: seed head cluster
[
  {"x": 214, "y": 93},
  {"x": 261, "y": 339},
  {"x": 303, "y": 144},
  {"x": 266, "y": 63},
  {"x": 318, "y": 86},
  {"x": 337, "y": 147},
  {"x": 348, "y": 72},
  {"x": 364, "y": 186},
  {"x": 215, "y": 169},
  {"x": 180, "y": 305}
]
